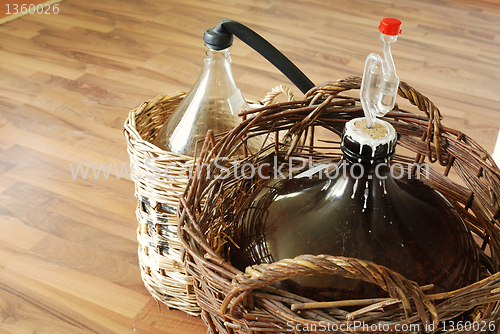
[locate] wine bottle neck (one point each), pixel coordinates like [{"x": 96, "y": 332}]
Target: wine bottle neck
[
  {"x": 217, "y": 73},
  {"x": 222, "y": 55},
  {"x": 368, "y": 145}
]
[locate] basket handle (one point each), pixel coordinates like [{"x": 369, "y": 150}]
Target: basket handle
[
  {"x": 430, "y": 109},
  {"x": 258, "y": 276},
  {"x": 280, "y": 89},
  {"x": 270, "y": 96}
]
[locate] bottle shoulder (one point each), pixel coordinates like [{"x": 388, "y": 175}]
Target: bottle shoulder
[{"x": 403, "y": 224}]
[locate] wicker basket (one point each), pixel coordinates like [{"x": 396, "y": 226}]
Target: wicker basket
[
  {"x": 160, "y": 251},
  {"x": 237, "y": 302}
]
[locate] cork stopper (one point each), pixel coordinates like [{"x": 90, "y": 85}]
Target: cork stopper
[
  {"x": 378, "y": 131},
  {"x": 372, "y": 145}
]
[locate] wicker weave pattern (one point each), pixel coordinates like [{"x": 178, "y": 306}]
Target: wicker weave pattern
[
  {"x": 236, "y": 302},
  {"x": 160, "y": 251}
]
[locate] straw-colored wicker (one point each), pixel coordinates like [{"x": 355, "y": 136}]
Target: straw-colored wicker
[
  {"x": 159, "y": 178},
  {"x": 237, "y": 302}
]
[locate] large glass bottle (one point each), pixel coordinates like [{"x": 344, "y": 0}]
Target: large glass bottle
[
  {"x": 364, "y": 208},
  {"x": 215, "y": 101},
  {"x": 212, "y": 104}
]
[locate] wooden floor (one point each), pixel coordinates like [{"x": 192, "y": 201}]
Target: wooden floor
[{"x": 68, "y": 247}]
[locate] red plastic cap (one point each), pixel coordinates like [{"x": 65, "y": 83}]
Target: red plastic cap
[{"x": 390, "y": 26}]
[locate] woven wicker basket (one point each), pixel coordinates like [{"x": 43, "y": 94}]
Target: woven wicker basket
[
  {"x": 237, "y": 302},
  {"x": 160, "y": 251}
]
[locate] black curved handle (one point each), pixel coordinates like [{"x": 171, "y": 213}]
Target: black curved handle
[{"x": 220, "y": 37}]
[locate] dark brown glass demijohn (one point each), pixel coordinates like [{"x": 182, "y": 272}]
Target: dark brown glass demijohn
[{"x": 362, "y": 209}]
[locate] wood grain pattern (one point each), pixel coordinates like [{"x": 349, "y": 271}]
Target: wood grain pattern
[{"x": 68, "y": 250}]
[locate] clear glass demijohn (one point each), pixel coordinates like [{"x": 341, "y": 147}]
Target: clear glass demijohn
[{"x": 212, "y": 104}]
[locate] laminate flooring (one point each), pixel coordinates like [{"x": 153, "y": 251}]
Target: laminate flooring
[{"x": 68, "y": 249}]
